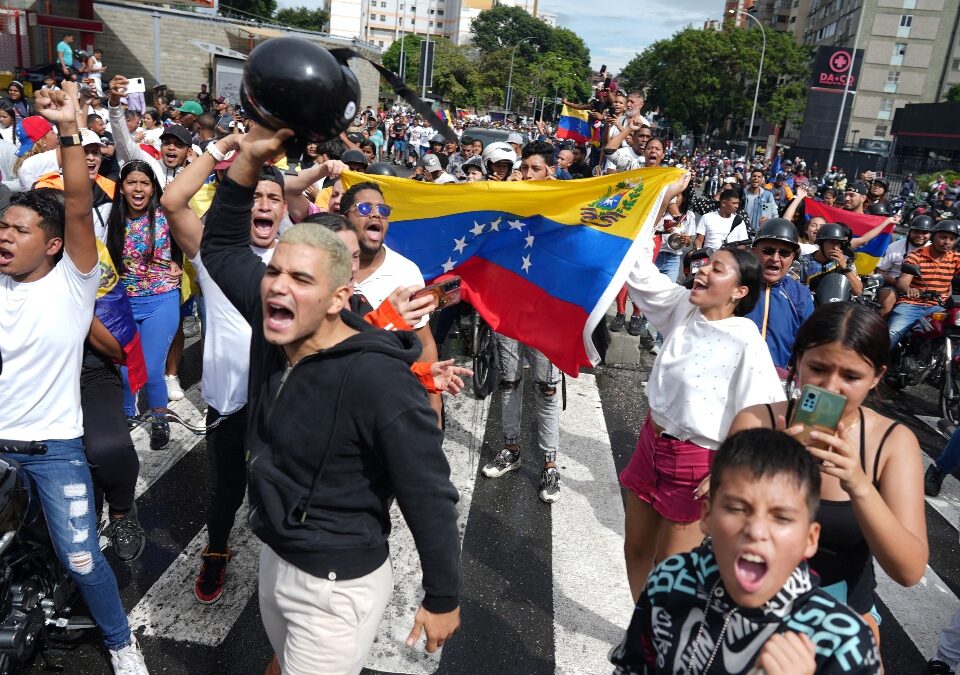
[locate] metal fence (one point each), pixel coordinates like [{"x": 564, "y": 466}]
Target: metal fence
[{"x": 14, "y": 39}]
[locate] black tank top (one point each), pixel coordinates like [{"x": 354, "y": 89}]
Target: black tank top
[{"x": 843, "y": 553}]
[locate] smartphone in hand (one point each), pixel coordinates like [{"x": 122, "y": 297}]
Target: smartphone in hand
[
  {"x": 445, "y": 292},
  {"x": 817, "y": 410}
]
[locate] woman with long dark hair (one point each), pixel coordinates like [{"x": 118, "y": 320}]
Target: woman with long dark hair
[
  {"x": 17, "y": 97},
  {"x": 872, "y": 492},
  {"x": 148, "y": 261},
  {"x": 8, "y": 122},
  {"x": 712, "y": 364}
]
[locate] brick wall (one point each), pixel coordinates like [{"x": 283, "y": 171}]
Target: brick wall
[{"x": 127, "y": 41}]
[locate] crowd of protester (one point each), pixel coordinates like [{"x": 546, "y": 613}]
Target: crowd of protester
[{"x": 304, "y": 304}]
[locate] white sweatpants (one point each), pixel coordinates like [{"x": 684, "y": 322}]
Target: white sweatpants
[{"x": 318, "y": 625}]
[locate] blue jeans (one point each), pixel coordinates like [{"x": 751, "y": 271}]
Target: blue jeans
[
  {"x": 903, "y": 316},
  {"x": 668, "y": 264},
  {"x": 61, "y": 479},
  {"x": 949, "y": 459},
  {"x": 157, "y": 317}
]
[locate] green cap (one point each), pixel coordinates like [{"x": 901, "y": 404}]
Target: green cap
[{"x": 191, "y": 107}]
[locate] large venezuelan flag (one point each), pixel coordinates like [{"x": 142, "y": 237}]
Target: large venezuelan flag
[
  {"x": 867, "y": 256},
  {"x": 575, "y": 125},
  {"x": 541, "y": 261}
]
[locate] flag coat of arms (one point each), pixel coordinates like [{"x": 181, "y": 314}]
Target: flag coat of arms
[
  {"x": 867, "y": 256},
  {"x": 541, "y": 261}
]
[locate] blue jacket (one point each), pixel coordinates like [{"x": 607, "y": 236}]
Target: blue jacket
[{"x": 790, "y": 305}]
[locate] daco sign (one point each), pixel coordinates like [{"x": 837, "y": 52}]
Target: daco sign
[{"x": 832, "y": 69}]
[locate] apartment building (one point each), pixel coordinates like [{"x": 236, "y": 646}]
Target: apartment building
[{"x": 382, "y": 22}]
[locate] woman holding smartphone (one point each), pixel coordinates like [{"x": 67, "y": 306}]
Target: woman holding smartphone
[{"x": 872, "y": 491}]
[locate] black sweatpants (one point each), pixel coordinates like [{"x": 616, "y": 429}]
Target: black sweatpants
[
  {"x": 106, "y": 438},
  {"x": 226, "y": 474}
]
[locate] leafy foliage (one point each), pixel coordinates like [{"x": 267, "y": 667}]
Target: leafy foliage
[
  {"x": 454, "y": 73},
  {"x": 953, "y": 94},
  {"x": 264, "y": 8},
  {"x": 703, "y": 80},
  {"x": 303, "y": 17}
]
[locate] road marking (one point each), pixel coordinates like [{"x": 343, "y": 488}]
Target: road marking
[
  {"x": 466, "y": 421},
  {"x": 922, "y": 610},
  {"x": 155, "y": 463},
  {"x": 170, "y": 610},
  {"x": 591, "y": 597}
]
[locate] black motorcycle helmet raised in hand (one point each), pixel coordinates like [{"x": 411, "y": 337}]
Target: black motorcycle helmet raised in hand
[{"x": 295, "y": 84}]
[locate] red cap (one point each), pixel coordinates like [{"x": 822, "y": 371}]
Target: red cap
[{"x": 36, "y": 127}]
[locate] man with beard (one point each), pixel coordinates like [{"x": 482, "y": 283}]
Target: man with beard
[
  {"x": 855, "y": 198},
  {"x": 758, "y": 201},
  {"x": 784, "y": 302},
  {"x": 620, "y": 136},
  {"x": 381, "y": 269},
  {"x": 632, "y": 156}
]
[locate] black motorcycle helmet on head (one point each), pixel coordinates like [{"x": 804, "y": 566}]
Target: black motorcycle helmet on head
[
  {"x": 382, "y": 169},
  {"x": 949, "y": 226},
  {"x": 923, "y": 222},
  {"x": 778, "y": 229},
  {"x": 296, "y": 84},
  {"x": 878, "y": 209},
  {"x": 831, "y": 232}
]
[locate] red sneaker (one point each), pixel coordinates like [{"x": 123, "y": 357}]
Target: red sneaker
[{"x": 213, "y": 571}]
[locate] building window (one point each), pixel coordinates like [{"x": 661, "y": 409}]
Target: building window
[
  {"x": 906, "y": 20},
  {"x": 439, "y": 24},
  {"x": 909, "y": 4},
  {"x": 383, "y": 17},
  {"x": 880, "y": 131},
  {"x": 432, "y": 11},
  {"x": 893, "y": 80},
  {"x": 413, "y": 22},
  {"x": 431, "y": 24},
  {"x": 380, "y": 43},
  {"x": 900, "y": 49},
  {"x": 439, "y": 12},
  {"x": 956, "y": 64},
  {"x": 886, "y": 109},
  {"x": 383, "y": 5}
]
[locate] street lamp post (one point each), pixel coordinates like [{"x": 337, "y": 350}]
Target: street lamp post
[
  {"x": 846, "y": 86},
  {"x": 508, "y": 98},
  {"x": 763, "y": 53}
]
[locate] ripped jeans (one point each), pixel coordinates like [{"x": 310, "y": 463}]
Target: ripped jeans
[
  {"x": 546, "y": 376},
  {"x": 61, "y": 478}
]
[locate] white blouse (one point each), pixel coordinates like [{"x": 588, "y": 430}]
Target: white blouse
[{"x": 706, "y": 371}]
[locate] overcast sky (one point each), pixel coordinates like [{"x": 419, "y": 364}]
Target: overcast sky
[{"x": 615, "y": 30}]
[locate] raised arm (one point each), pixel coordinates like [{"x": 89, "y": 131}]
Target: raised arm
[
  {"x": 294, "y": 186},
  {"x": 185, "y": 225},
  {"x": 865, "y": 238},
  {"x": 126, "y": 147},
  {"x": 795, "y": 204},
  {"x": 80, "y": 242},
  {"x": 226, "y": 238}
]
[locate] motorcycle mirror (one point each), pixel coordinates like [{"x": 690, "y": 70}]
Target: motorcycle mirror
[{"x": 907, "y": 268}]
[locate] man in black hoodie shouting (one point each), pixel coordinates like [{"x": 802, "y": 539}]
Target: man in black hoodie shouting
[{"x": 338, "y": 428}]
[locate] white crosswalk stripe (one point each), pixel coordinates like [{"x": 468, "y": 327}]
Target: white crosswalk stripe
[{"x": 591, "y": 600}]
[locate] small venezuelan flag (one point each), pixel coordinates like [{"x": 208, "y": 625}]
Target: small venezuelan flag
[
  {"x": 867, "y": 256},
  {"x": 575, "y": 125}
]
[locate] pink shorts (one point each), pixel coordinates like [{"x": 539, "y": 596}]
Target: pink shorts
[{"x": 664, "y": 472}]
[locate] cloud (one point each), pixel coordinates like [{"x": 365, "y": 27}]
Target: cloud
[{"x": 615, "y": 31}]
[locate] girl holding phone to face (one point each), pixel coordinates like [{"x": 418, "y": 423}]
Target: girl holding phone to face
[{"x": 872, "y": 491}]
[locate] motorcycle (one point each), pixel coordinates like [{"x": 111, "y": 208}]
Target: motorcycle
[{"x": 37, "y": 595}]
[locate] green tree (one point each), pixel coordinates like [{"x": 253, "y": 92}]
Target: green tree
[
  {"x": 454, "y": 73},
  {"x": 303, "y": 17},
  {"x": 263, "y": 8},
  {"x": 953, "y": 94},
  {"x": 704, "y": 80},
  {"x": 506, "y": 27}
]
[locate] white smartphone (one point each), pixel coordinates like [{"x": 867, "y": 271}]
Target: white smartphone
[{"x": 135, "y": 85}]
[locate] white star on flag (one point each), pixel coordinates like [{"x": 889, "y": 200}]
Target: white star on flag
[
  {"x": 449, "y": 265},
  {"x": 459, "y": 244},
  {"x": 529, "y": 240},
  {"x": 526, "y": 264},
  {"x": 515, "y": 224},
  {"x": 477, "y": 229},
  {"x": 495, "y": 225}
]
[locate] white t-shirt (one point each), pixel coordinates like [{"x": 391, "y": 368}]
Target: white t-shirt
[
  {"x": 892, "y": 260},
  {"x": 625, "y": 159},
  {"x": 396, "y": 271},
  {"x": 716, "y": 230},
  {"x": 36, "y": 166},
  {"x": 43, "y": 325},
  {"x": 706, "y": 371},
  {"x": 226, "y": 344},
  {"x": 688, "y": 225}
]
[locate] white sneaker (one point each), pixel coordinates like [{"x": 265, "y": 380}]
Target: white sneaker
[
  {"x": 128, "y": 660},
  {"x": 174, "y": 391}
]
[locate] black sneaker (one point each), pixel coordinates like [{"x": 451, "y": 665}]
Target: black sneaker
[
  {"x": 504, "y": 462},
  {"x": 159, "y": 433},
  {"x": 619, "y": 321},
  {"x": 933, "y": 480},
  {"x": 126, "y": 536},
  {"x": 636, "y": 325},
  {"x": 937, "y": 667},
  {"x": 550, "y": 485},
  {"x": 208, "y": 588},
  {"x": 133, "y": 422}
]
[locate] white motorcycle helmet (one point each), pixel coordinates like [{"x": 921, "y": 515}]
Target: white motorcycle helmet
[{"x": 498, "y": 152}]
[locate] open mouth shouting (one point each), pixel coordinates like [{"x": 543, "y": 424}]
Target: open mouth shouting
[
  {"x": 138, "y": 201},
  {"x": 750, "y": 569},
  {"x": 262, "y": 227},
  {"x": 278, "y": 316},
  {"x": 374, "y": 231},
  {"x": 6, "y": 256},
  {"x": 699, "y": 284}
]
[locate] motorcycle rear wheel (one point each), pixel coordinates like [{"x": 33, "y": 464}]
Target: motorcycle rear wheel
[{"x": 950, "y": 400}]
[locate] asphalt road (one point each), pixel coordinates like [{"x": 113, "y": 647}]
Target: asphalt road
[{"x": 544, "y": 590}]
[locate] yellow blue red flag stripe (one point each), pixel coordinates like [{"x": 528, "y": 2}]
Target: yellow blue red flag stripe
[{"x": 540, "y": 260}]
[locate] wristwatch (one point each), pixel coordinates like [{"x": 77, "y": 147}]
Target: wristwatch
[{"x": 70, "y": 141}]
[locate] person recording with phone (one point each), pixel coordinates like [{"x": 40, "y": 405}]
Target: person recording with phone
[{"x": 872, "y": 478}]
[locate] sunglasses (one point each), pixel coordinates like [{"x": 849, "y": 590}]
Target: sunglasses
[
  {"x": 366, "y": 208},
  {"x": 784, "y": 252}
]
